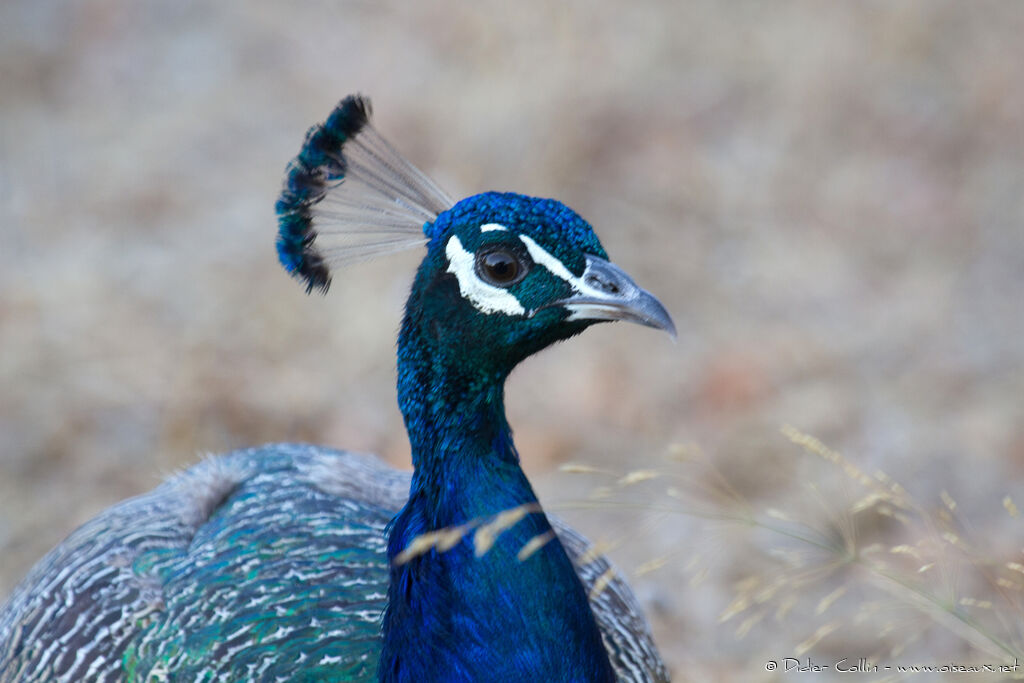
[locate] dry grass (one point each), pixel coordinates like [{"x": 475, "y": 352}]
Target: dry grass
[
  {"x": 485, "y": 532},
  {"x": 852, "y": 561}
]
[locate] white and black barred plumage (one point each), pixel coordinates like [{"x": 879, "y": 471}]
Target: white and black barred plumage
[{"x": 94, "y": 604}]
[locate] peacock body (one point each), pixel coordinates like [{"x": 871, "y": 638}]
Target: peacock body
[{"x": 298, "y": 563}]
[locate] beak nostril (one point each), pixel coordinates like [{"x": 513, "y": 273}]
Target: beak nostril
[
  {"x": 605, "y": 292},
  {"x": 604, "y": 285}
]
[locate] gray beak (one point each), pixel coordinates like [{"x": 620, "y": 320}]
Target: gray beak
[{"x": 606, "y": 292}]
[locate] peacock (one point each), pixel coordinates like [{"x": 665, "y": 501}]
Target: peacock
[{"x": 293, "y": 562}]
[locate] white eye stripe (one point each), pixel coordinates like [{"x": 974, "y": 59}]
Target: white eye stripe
[
  {"x": 488, "y": 298},
  {"x": 541, "y": 257},
  {"x": 484, "y": 297},
  {"x": 544, "y": 258}
]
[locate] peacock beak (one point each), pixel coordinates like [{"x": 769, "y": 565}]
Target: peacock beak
[{"x": 606, "y": 292}]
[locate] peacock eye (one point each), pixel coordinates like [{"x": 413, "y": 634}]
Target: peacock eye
[{"x": 500, "y": 267}]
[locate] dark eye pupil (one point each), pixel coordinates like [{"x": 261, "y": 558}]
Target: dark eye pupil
[{"x": 499, "y": 267}]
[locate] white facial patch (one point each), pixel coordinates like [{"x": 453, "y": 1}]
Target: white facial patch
[
  {"x": 484, "y": 297},
  {"x": 490, "y": 227}
]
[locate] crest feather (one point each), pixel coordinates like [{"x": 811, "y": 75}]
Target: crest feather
[{"x": 349, "y": 196}]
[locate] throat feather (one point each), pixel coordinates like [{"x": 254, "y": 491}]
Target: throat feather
[{"x": 490, "y": 594}]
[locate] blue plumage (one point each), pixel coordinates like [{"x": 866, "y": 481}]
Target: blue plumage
[{"x": 298, "y": 563}]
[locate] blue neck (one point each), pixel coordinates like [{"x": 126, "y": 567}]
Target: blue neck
[{"x": 452, "y": 615}]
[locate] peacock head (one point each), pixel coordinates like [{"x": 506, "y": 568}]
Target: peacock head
[
  {"x": 511, "y": 274},
  {"x": 505, "y": 274}
]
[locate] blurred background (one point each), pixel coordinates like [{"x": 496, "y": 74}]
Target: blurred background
[{"x": 829, "y": 198}]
